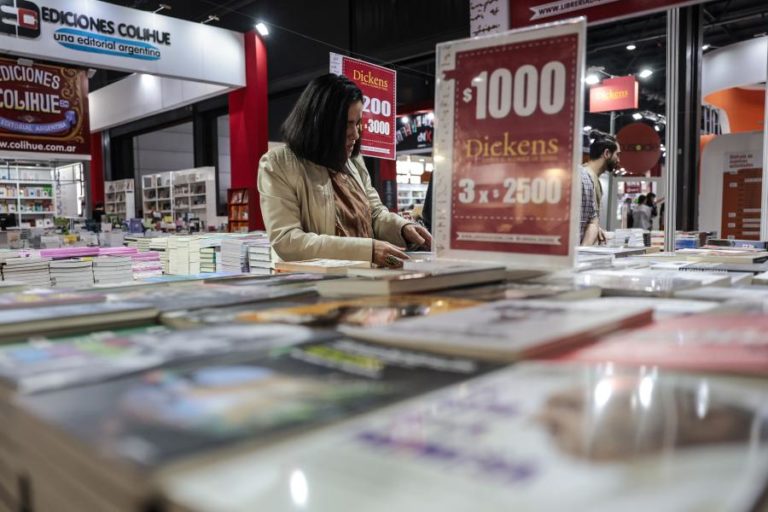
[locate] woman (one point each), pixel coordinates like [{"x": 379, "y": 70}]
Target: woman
[{"x": 316, "y": 195}]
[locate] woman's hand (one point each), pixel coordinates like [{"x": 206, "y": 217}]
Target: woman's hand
[
  {"x": 387, "y": 255},
  {"x": 417, "y": 236}
]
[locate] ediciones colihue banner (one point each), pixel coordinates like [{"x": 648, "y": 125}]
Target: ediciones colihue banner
[
  {"x": 508, "y": 145},
  {"x": 379, "y": 86},
  {"x": 43, "y": 109}
]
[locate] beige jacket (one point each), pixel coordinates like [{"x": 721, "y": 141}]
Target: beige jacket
[{"x": 299, "y": 210}]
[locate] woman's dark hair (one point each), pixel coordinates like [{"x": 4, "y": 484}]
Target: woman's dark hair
[
  {"x": 600, "y": 142},
  {"x": 316, "y": 128}
]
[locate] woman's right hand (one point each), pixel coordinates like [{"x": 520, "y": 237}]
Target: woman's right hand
[{"x": 387, "y": 255}]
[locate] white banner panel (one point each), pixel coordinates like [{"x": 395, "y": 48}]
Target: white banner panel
[{"x": 102, "y": 35}]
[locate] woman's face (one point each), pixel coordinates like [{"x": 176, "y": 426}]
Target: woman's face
[{"x": 354, "y": 125}]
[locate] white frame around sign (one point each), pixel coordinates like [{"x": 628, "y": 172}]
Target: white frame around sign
[{"x": 443, "y": 145}]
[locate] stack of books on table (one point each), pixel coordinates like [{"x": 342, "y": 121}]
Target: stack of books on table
[
  {"x": 146, "y": 264},
  {"x": 160, "y": 245},
  {"x": 234, "y": 251},
  {"x": 183, "y": 255},
  {"x": 210, "y": 255},
  {"x": 74, "y": 273},
  {"x": 30, "y": 271},
  {"x": 260, "y": 257},
  {"x": 110, "y": 270}
]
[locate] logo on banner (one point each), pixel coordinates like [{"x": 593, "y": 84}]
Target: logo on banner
[{"x": 19, "y": 18}]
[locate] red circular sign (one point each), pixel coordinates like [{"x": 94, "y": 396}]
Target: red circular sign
[{"x": 640, "y": 148}]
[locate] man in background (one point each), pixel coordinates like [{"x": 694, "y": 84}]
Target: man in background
[{"x": 603, "y": 156}]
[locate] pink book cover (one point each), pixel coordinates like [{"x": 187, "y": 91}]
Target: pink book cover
[{"x": 729, "y": 343}]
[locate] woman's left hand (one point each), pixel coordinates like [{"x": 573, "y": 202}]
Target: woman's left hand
[{"x": 417, "y": 236}]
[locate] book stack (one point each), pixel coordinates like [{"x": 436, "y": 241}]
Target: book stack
[
  {"x": 146, "y": 264},
  {"x": 30, "y": 271},
  {"x": 234, "y": 251},
  {"x": 160, "y": 245},
  {"x": 74, "y": 273},
  {"x": 260, "y": 257},
  {"x": 110, "y": 270},
  {"x": 210, "y": 254},
  {"x": 183, "y": 255}
]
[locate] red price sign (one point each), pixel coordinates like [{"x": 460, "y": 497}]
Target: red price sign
[
  {"x": 508, "y": 146},
  {"x": 379, "y": 86}
]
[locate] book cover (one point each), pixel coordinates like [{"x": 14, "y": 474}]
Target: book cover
[
  {"x": 176, "y": 298},
  {"x": 730, "y": 343},
  {"x": 504, "y": 291},
  {"x": 366, "y": 311},
  {"x": 508, "y": 330},
  {"x": 61, "y": 362},
  {"x": 412, "y": 281},
  {"x": 41, "y": 297},
  {"x": 180, "y": 411},
  {"x": 531, "y": 437},
  {"x": 64, "y": 319},
  {"x": 320, "y": 265}
]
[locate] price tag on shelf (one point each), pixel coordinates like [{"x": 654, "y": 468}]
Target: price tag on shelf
[
  {"x": 379, "y": 86},
  {"x": 508, "y": 146}
]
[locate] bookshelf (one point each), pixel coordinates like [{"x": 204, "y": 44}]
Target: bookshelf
[
  {"x": 180, "y": 194},
  {"x": 28, "y": 192},
  {"x": 240, "y": 210},
  {"x": 119, "y": 199},
  {"x": 194, "y": 195}
]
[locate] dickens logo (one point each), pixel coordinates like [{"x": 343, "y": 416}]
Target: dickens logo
[{"x": 19, "y": 18}]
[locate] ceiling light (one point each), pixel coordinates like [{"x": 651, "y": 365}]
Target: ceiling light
[
  {"x": 592, "y": 79},
  {"x": 210, "y": 18},
  {"x": 262, "y": 29},
  {"x": 706, "y": 47},
  {"x": 587, "y": 128},
  {"x": 656, "y": 127},
  {"x": 645, "y": 73},
  {"x": 162, "y": 7},
  {"x": 405, "y": 119},
  {"x": 637, "y": 116},
  {"x": 631, "y": 47}
]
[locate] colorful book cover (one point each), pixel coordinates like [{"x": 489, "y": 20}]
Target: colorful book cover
[
  {"x": 44, "y": 365},
  {"x": 530, "y": 437},
  {"x": 39, "y": 298},
  {"x": 180, "y": 411}
]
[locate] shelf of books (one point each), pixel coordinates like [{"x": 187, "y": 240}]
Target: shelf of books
[
  {"x": 240, "y": 210},
  {"x": 28, "y": 192},
  {"x": 181, "y": 195},
  {"x": 194, "y": 195},
  {"x": 119, "y": 199}
]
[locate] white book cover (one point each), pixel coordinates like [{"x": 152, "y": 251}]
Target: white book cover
[
  {"x": 527, "y": 438},
  {"x": 509, "y": 329}
]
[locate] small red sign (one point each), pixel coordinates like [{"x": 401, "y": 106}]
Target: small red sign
[
  {"x": 379, "y": 86},
  {"x": 620, "y": 93},
  {"x": 43, "y": 109}
]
